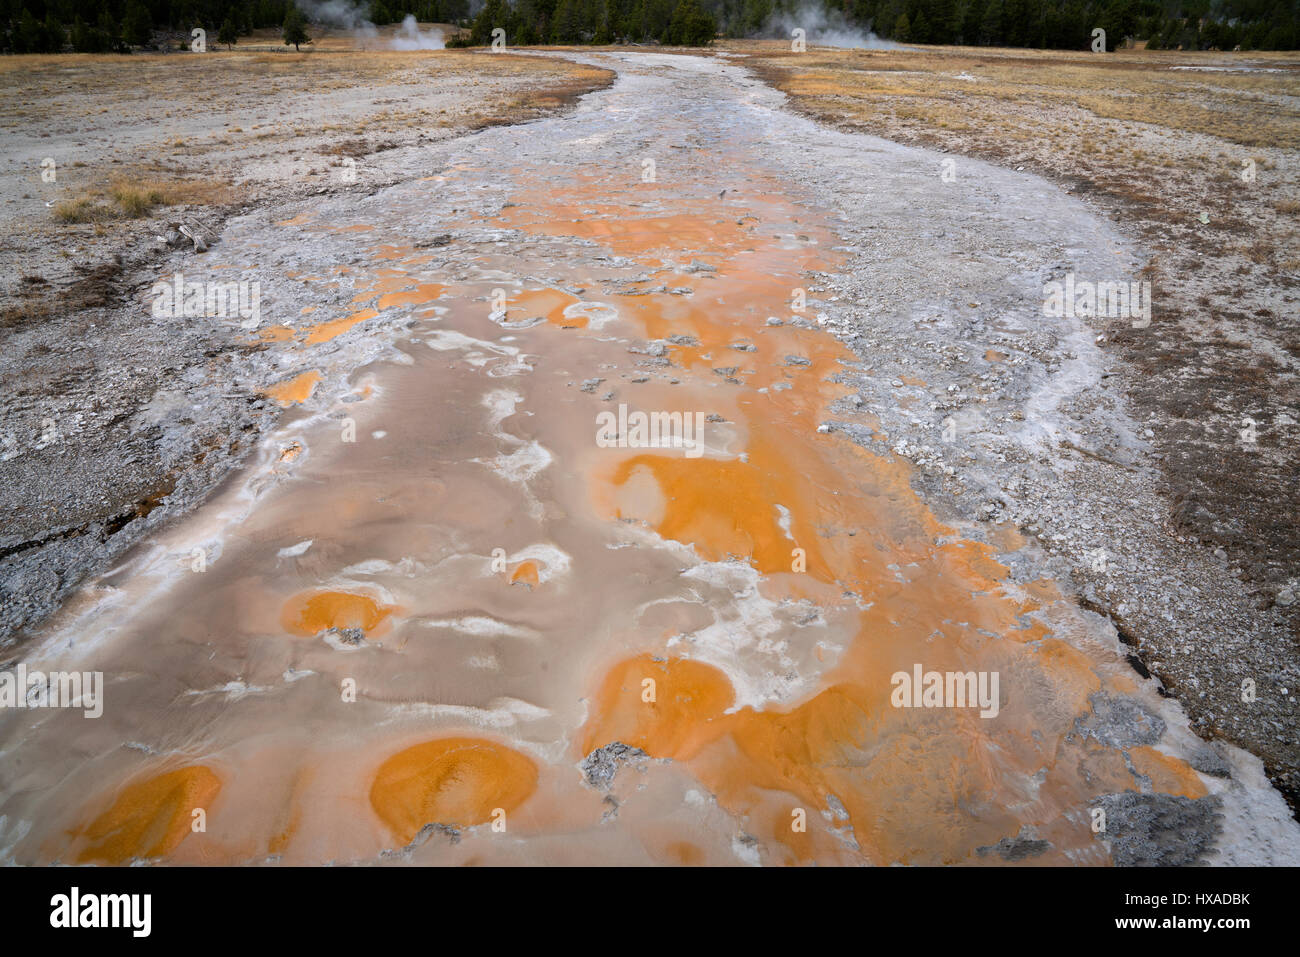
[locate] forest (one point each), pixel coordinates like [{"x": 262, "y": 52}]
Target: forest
[{"x": 99, "y": 26}]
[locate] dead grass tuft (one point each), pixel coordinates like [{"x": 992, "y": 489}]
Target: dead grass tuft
[{"x": 137, "y": 197}]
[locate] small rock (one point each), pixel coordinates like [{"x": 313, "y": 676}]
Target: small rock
[{"x": 601, "y": 766}]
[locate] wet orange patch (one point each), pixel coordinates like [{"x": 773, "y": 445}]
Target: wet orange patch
[
  {"x": 549, "y": 303},
  {"x": 151, "y": 817},
  {"x": 1167, "y": 773},
  {"x": 459, "y": 782},
  {"x": 632, "y": 235},
  {"x": 336, "y": 327},
  {"x": 295, "y": 390},
  {"x": 425, "y": 292},
  {"x": 662, "y": 707},
  {"x": 1043, "y": 589},
  {"x": 1122, "y": 684},
  {"x": 723, "y": 508},
  {"x": 525, "y": 573},
  {"x": 275, "y": 334},
  {"x": 909, "y": 784},
  {"x": 683, "y": 852},
  {"x": 311, "y": 613},
  {"x": 1036, "y": 631}
]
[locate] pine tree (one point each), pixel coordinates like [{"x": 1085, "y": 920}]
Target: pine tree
[
  {"x": 970, "y": 24},
  {"x": 228, "y": 34},
  {"x": 494, "y": 14},
  {"x": 991, "y": 25},
  {"x": 609, "y": 30},
  {"x": 295, "y": 28},
  {"x": 690, "y": 26},
  {"x": 137, "y": 27},
  {"x": 945, "y": 22},
  {"x": 567, "y": 25},
  {"x": 55, "y": 35},
  {"x": 921, "y": 28},
  {"x": 81, "y": 40},
  {"x": 108, "y": 27},
  {"x": 30, "y": 35}
]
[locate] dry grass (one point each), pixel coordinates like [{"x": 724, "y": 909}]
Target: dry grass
[
  {"x": 136, "y": 198},
  {"x": 136, "y": 202},
  {"x": 49, "y": 85},
  {"x": 981, "y": 88},
  {"x": 1141, "y": 130},
  {"x": 187, "y": 137},
  {"x": 83, "y": 209},
  {"x": 184, "y": 123}
]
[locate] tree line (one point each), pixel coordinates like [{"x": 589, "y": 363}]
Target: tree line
[
  {"x": 1068, "y": 24},
  {"x": 676, "y": 22},
  {"x": 97, "y": 26},
  {"x": 104, "y": 26}
]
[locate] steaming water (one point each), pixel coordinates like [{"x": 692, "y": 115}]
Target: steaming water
[
  {"x": 827, "y": 28},
  {"x": 409, "y": 37}
]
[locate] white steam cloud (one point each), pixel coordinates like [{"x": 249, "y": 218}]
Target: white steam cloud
[
  {"x": 337, "y": 13},
  {"x": 825, "y": 28},
  {"x": 409, "y": 37},
  {"x": 355, "y": 17}
]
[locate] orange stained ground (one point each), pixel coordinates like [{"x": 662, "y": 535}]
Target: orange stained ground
[
  {"x": 312, "y": 612},
  {"x": 526, "y": 573},
  {"x": 549, "y": 303},
  {"x": 459, "y": 782},
  {"x": 421, "y": 294},
  {"x": 336, "y": 327},
  {"x": 275, "y": 334},
  {"x": 295, "y": 390},
  {"x": 150, "y": 818},
  {"x": 908, "y": 779},
  {"x": 393, "y": 288}
]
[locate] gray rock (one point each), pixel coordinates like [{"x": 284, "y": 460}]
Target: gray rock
[
  {"x": 1159, "y": 830},
  {"x": 1208, "y": 761},
  {"x": 1119, "y": 723},
  {"x": 1016, "y": 848},
  {"x": 602, "y": 765}
]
